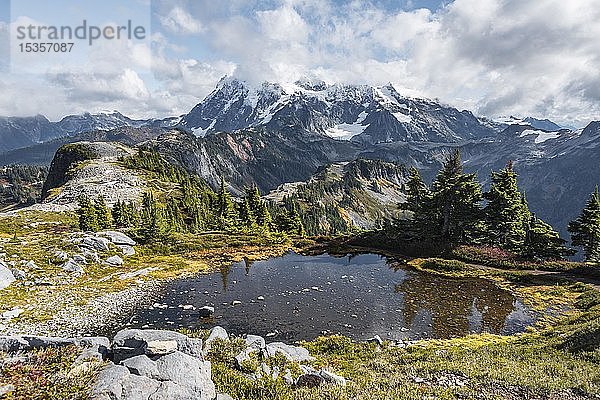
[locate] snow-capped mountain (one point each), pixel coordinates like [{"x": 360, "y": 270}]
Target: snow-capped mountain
[
  {"x": 541, "y": 124},
  {"x": 360, "y": 113}
]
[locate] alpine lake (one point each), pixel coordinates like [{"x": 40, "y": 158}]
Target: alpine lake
[{"x": 299, "y": 297}]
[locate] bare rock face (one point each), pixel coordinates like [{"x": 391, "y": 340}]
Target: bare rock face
[{"x": 93, "y": 169}]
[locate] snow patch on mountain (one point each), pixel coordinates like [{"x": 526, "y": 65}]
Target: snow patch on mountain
[{"x": 541, "y": 137}]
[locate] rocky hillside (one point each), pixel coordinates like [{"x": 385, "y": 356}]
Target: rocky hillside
[
  {"x": 93, "y": 169},
  {"x": 345, "y": 196}
]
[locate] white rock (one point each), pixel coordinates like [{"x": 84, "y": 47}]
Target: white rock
[
  {"x": 118, "y": 237},
  {"x": 72, "y": 267},
  {"x": 161, "y": 347},
  {"x": 114, "y": 261},
  {"x": 14, "y": 313},
  {"x": 6, "y": 276},
  {"x": 126, "y": 249}
]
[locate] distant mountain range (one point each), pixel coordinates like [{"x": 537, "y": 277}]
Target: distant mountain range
[
  {"x": 279, "y": 133},
  {"x": 20, "y": 132}
]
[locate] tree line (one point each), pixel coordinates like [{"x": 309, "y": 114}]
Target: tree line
[
  {"x": 193, "y": 207},
  {"x": 453, "y": 210}
]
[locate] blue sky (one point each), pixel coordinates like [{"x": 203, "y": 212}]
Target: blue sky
[{"x": 495, "y": 57}]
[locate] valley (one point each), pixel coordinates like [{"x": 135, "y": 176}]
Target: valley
[{"x": 370, "y": 299}]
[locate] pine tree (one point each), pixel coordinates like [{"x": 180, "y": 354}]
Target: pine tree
[
  {"x": 246, "y": 217},
  {"x": 103, "y": 215},
  {"x": 174, "y": 216},
  {"x": 152, "y": 223},
  {"x": 456, "y": 199},
  {"x": 258, "y": 208},
  {"x": 87, "y": 214},
  {"x": 543, "y": 242},
  {"x": 506, "y": 213},
  {"x": 585, "y": 229},
  {"x": 118, "y": 215},
  {"x": 225, "y": 211},
  {"x": 417, "y": 192}
]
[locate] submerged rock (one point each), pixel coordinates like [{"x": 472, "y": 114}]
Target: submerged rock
[{"x": 206, "y": 311}]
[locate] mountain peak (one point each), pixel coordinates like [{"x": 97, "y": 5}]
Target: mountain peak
[{"x": 341, "y": 111}]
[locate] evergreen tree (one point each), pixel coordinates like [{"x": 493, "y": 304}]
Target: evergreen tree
[
  {"x": 225, "y": 210},
  {"x": 174, "y": 216},
  {"x": 417, "y": 192},
  {"x": 87, "y": 214},
  {"x": 506, "y": 212},
  {"x": 118, "y": 215},
  {"x": 152, "y": 223},
  {"x": 258, "y": 208},
  {"x": 585, "y": 229},
  {"x": 103, "y": 215},
  {"x": 543, "y": 242},
  {"x": 246, "y": 217},
  {"x": 456, "y": 200}
]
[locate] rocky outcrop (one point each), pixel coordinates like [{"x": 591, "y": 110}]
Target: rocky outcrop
[
  {"x": 165, "y": 365},
  {"x": 89, "y": 168}
]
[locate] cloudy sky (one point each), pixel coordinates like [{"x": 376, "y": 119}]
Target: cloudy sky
[{"x": 494, "y": 57}]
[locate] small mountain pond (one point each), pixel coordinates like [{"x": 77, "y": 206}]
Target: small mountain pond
[{"x": 298, "y": 297}]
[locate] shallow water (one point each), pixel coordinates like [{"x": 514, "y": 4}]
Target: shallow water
[{"x": 358, "y": 296}]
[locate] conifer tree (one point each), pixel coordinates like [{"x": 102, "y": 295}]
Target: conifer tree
[
  {"x": 225, "y": 209},
  {"x": 585, "y": 229},
  {"x": 118, "y": 215},
  {"x": 152, "y": 223},
  {"x": 543, "y": 242},
  {"x": 506, "y": 212},
  {"x": 258, "y": 208},
  {"x": 174, "y": 216},
  {"x": 456, "y": 199},
  {"x": 87, "y": 214},
  {"x": 246, "y": 217},
  {"x": 103, "y": 215},
  {"x": 417, "y": 192}
]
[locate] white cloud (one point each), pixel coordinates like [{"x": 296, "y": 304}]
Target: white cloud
[
  {"x": 180, "y": 21},
  {"x": 495, "y": 57}
]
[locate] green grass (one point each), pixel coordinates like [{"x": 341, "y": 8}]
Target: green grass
[{"x": 550, "y": 361}]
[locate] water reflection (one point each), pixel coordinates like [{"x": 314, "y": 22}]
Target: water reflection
[
  {"x": 300, "y": 297},
  {"x": 455, "y": 307}
]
